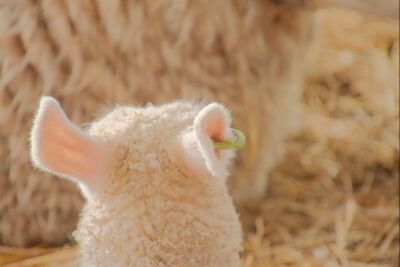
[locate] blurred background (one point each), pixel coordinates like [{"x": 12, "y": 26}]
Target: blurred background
[{"x": 332, "y": 197}]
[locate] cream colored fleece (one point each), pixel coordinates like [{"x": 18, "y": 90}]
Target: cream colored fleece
[
  {"x": 160, "y": 198},
  {"x": 156, "y": 212}
]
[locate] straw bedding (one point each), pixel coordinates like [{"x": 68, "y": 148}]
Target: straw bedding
[{"x": 334, "y": 199}]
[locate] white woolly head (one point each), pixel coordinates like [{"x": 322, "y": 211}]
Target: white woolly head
[
  {"x": 153, "y": 179},
  {"x": 185, "y": 130}
]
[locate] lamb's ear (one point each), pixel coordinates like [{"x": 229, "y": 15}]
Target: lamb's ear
[
  {"x": 211, "y": 124},
  {"x": 60, "y": 147}
]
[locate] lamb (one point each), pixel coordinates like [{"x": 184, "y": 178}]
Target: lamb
[{"x": 154, "y": 183}]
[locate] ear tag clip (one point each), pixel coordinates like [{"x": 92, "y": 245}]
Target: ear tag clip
[{"x": 238, "y": 143}]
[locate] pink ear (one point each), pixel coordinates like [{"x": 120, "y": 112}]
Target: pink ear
[
  {"x": 211, "y": 124},
  {"x": 61, "y": 148}
]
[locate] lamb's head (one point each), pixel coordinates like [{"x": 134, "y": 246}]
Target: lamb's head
[
  {"x": 140, "y": 140},
  {"x": 155, "y": 184}
]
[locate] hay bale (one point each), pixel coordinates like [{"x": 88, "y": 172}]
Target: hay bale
[{"x": 90, "y": 54}]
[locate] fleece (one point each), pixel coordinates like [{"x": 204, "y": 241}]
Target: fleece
[{"x": 148, "y": 202}]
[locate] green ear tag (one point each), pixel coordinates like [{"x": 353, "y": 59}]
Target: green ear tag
[{"x": 239, "y": 141}]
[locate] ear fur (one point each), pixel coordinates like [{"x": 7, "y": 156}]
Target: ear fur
[
  {"x": 211, "y": 124},
  {"x": 60, "y": 147}
]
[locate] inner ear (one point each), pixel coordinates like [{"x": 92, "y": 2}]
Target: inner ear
[
  {"x": 214, "y": 120},
  {"x": 215, "y": 130},
  {"x": 213, "y": 124},
  {"x": 60, "y": 147}
]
